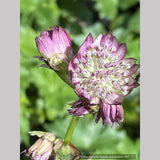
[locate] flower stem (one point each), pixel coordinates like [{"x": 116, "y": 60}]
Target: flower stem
[
  {"x": 70, "y": 130},
  {"x": 64, "y": 75}
]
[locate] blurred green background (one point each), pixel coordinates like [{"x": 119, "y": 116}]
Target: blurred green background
[{"x": 44, "y": 97}]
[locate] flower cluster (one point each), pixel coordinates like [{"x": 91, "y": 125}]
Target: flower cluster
[
  {"x": 102, "y": 77},
  {"x": 48, "y": 147},
  {"x": 99, "y": 73}
]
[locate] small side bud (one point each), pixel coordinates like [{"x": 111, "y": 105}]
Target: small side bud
[
  {"x": 56, "y": 51},
  {"x": 41, "y": 150},
  {"x": 47, "y": 147},
  {"x": 55, "y": 45}
]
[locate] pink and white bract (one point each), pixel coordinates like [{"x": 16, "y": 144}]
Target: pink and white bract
[{"x": 102, "y": 77}]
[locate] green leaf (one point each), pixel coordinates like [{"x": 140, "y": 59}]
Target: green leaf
[
  {"x": 29, "y": 5},
  {"x": 94, "y": 29},
  {"x": 134, "y": 49},
  {"x": 131, "y": 106},
  {"x": 75, "y": 9},
  {"x": 120, "y": 21},
  {"x": 133, "y": 44},
  {"x": 107, "y": 8},
  {"x": 123, "y": 35},
  {"x": 56, "y": 93},
  {"x": 48, "y": 15},
  {"x": 125, "y": 4},
  {"x": 39, "y": 14},
  {"x": 134, "y": 22},
  {"x": 24, "y": 128},
  {"x": 27, "y": 43}
]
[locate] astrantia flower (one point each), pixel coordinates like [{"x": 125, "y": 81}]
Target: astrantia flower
[
  {"x": 55, "y": 46},
  {"x": 56, "y": 49},
  {"x": 48, "y": 147},
  {"x": 42, "y": 149},
  {"x": 102, "y": 78}
]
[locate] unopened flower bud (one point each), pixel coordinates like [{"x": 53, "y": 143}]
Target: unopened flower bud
[
  {"x": 56, "y": 49},
  {"x": 47, "y": 147},
  {"x": 42, "y": 149}
]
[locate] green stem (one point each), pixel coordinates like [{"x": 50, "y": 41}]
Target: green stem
[
  {"x": 70, "y": 130},
  {"x": 64, "y": 75}
]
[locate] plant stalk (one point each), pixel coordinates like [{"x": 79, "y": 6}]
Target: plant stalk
[{"x": 70, "y": 130}]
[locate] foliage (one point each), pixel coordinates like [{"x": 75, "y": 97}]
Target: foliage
[{"x": 45, "y": 98}]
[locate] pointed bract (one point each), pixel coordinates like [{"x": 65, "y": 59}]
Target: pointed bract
[{"x": 88, "y": 41}]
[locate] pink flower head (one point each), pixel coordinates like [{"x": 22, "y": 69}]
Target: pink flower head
[
  {"x": 102, "y": 77},
  {"x": 48, "y": 147},
  {"x": 55, "y": 46},
  {"x": 42, "y": 149}
]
